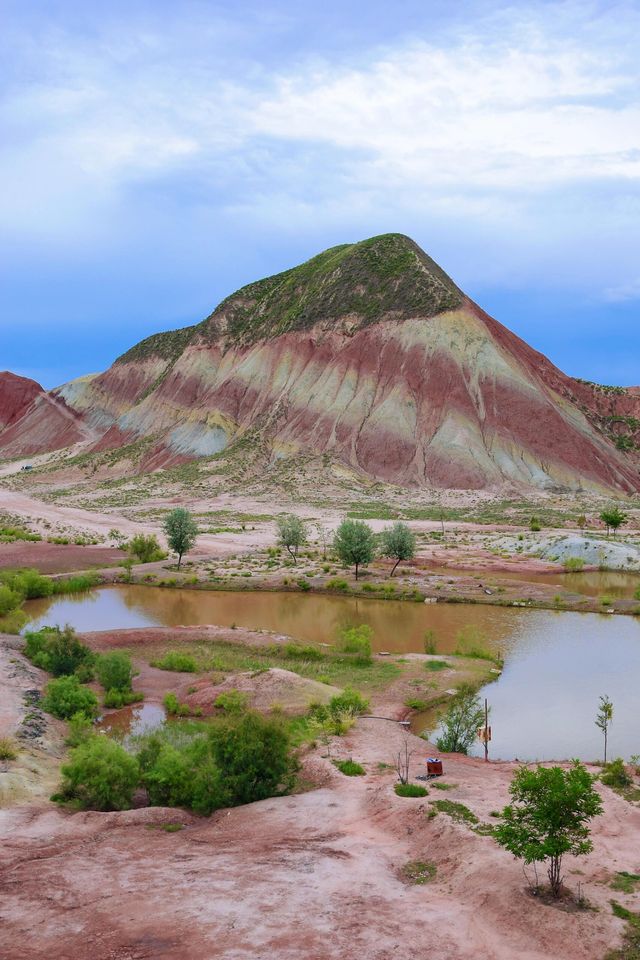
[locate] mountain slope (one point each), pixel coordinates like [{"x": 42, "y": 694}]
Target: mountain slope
[
  {"x": 33, "y": 421},
  {"x": 370, "y": 353}
]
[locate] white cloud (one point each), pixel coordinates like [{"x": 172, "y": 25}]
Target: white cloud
[{"x": 624, "y": 293}]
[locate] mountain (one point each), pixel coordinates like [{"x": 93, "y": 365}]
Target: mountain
[
  {"x": 370, "y": 353},
  {"x": 33, "y": 421}
]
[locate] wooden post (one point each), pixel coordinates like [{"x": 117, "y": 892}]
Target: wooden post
[{"x": 486, "y": 731}]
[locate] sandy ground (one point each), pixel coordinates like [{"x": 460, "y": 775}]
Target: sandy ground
[{"x": 57, "y": 558}]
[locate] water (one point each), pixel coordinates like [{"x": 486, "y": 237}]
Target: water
[
  {"x": 557, "y": 663},
  {"x": 133, "y": 720}
]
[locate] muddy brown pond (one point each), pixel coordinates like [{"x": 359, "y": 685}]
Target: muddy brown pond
[{"x": 556, "y": 664}]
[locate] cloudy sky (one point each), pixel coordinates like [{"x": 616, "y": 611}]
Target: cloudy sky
[{"x": 157, "y": 155}]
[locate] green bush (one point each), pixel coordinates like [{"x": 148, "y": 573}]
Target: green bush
[
  {"x": 297, "y": 652},
  {"x": 341, "y": 585},
  {"x": 173, "y": 706},
  {"x": 9, "y": 600},
  {"x": 80, "y": 729},
  {"x": 28, "y": 583},
  {"x": 100, "y": 775},
  {"x": 349, "y": 701},
  {"x": 357, "y": 641},
  {"x": 66, "y": 696},
  {"x": 231, "y": 701},
  {"x": 436, "y": 665},
  {"x": 59, "y": 652},
  {"x": 410, "y": 790},
  {"x": 614, "y": 774},
  {"x": 115, "y": 671},
  {"x": 146, "y": 548},
  {"x": 174, "y": 660},
  {"x": 114, "y": 699},
  {"x": 573, "y": 564},
  {"x": 350, "y": 768},
  {"x": 415, "y": 703}
]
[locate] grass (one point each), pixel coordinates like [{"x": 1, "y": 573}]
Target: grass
[
  {"x": 334, "y": 668},
  {"x": 457, "y": 811},
  {"x": 439, "y": 785},
  {"x": 415, "y": 703},
  {"x": 434, "y": 666},
  {"x": 8, "y": 749},
  {"x": 625, "y": 882},
  {"x": 630, "y": 949},
  {"x": 420, "y": 871},
  {"x": 175, "y": 660},
  {"x": 410, "y": 790},
  {"x": 350, "y": 768}
]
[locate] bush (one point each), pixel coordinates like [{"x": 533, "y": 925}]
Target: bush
[
  {"x": 410, "y": 790},
  {"x": 9, "y": 600},
  {"x": 80, "y": 729},
  {"x": 573, "y": 564},
  {"x": 297, "y": 652},
  {"x": 435, "y": 665},
  {"x": 341, "y": 585},
  {"x": 415, "y": 703},
  {"x": 173, "y": 706},
  {"x": 114, "y": 699},
  {"x": 66, "y": 696},
  {"x": 59, "y": 652},
  {"x": 8, "y": 749},
  {"x": 535, "y": 525},
  {"x": 28, "y": 583},
  {"x": 349, "y": 701},
  {"x": 253, "y": 754},
  {"x": 461, "y": 722},
  {"x": 174, "y": 660},
  {"x": 146, "y": 548},
  {"x": 231, "y": 701},
  {"x": 615, "y": 774},
  {"x": 357, "y": 641},
  {"x": 115, "y": 671},
  {"x": 350, "y": 768},
  {"x": 100, "y": 775}
]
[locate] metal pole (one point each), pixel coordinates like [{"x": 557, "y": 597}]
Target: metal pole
[{"x": 486, "y": 731}]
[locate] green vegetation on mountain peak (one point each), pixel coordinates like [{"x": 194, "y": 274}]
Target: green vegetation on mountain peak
[
  {"x": 388, "y": 275},
  {"x": 165, "y": 346}
]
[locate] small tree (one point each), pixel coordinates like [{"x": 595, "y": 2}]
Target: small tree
[
  {"x": 548, "y": 817},
  {"x": 603, "y": 720},
  {"x": 323, "y": 538},
  {"x": 145, "y": 548},
  {"x": 613, "y": 518},
  {"x": 292, "y": 534},
  {"x": 181, "y": 531},
  {"x": 100, "y": 775},
  {"x": 402, "y": 759},
  {"x": 353, "y": 542},
  {"x": 115, "y": 671},
  {"x": 581, "y": 521},
  {"x": 398, "y": 542},
  {"x": 461, "y": 722},
  {"x": 253, "y": 754}
]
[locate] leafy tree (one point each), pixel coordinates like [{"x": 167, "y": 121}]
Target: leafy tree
[
  {"x": 461, "y": 722},
  {"x": 603, "y": 720},
  {"x": 253, "y": 754},
  {"x": 613, "y": 518},
  {"x": 66, "y": 697},
  {"x": 146, "y": 548},
  {"x": 549, "y": 816},
  {"x": 59, "y": 651},
  {"x": 100, "y": 775},
  {"x": 114, "y": 670},
  {"x": 292, "y": 534},
  {"x": 353, "y": 542},
  {"x": 398, "y": 542},
  {"x": 181, "y": 531}
]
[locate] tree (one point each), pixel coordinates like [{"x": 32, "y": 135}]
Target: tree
[
  {"x": 145, "y": 548},
  {"x": 114, "y": 670},
  {"x": 398, "y": 542},
  {"x": 581, "y": 521},
  {"x": 100, "y": 775},
  {"x": 613, "y": 518},
  {"x": 58, "y": 651},
  {"x": 181, "y": 531},
  {"x": 323, "y": 538},
  {"x": 603, "y": 720},
  {"x": 402, "y": 759},
  {"x": 292, "y": 534},
  {"x": 461, "y": 722},
  {"x": 549, "y": 817},
  {"x": 253, "y": 754},
  {"x": 353, "y": 542}
]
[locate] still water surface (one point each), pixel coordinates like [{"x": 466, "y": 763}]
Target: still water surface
[{"x": 542, "y": 707}]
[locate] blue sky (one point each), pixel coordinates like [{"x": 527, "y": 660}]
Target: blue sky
[{"x": 156, "y": 156}]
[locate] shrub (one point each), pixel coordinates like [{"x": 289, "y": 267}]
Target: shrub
[
  {"x": 429, "y": 641},
  {"x": 350, "y": 768},
  {"x": 304, "y": 585},
  {"x": 573, "y": 564},
  {"x": 66, "y": 696},
  {"x": 231, "y": 701},
  {"x": 174, "y": 660},
  {"x": 100, "y": 775},
  {"x": 146, "y": 548},
  {"x": 357, "y": 641},
  {"x": 28, "y": 583},
  {"x": 297, "y": 652},
  {"x": 410, "y": 790},
  {"x": 114, "y": 699},
  {"x": 535, "y": 525},
  {"x": 115, "y": 671},
  {"x": 349, "y": 701},
  {"x": 420, "y": 871},
  {"x": 9, "y": 600},
  {"x": 415, "y": 703},
  {"x": 253, "y": 754},
  {"x": 8, "y": 749},
  {"x": 461, "y": 722},
  {"x": 615, "y": 774},
  {"x": 59, "y": 651},
  {"x": 341, "y": 585},
  {"x": 80, "y": 729},
  {"x": 173, "y": 706}
]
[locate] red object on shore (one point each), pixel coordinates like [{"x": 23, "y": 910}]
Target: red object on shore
[{"x": 434, "y": 767}]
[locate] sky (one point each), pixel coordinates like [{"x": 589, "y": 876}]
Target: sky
[{"x": 155, "y": 156}]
